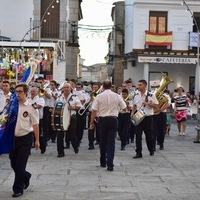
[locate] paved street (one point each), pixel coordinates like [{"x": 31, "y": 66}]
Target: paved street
[{"x": 171, "y": 174}]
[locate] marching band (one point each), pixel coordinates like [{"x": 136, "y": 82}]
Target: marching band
[{"x": 65, "y": 112}]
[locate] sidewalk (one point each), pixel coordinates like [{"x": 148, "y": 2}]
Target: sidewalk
[{"x": 171, "y": 174}]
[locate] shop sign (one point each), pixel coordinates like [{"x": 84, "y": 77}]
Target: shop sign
[{"x": 171, "y": 60}]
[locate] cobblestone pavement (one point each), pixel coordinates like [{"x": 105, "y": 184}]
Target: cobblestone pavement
[{"x": 171, "y": 174}]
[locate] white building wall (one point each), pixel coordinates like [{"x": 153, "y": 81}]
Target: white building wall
[
  {"x": 15, "y": 18},
  {"x": 178, "y": 73},
  {"x": 137, "y": 21}
]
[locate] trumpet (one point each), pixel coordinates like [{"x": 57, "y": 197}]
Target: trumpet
[
  {"x": 93, "y": 95},
  {"x": 42, "y": 90}
]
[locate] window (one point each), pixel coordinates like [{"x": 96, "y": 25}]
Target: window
[{"x": 158, "y": 22}]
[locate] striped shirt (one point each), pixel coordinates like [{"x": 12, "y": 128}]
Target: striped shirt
[{"x": 181, "y": 102}]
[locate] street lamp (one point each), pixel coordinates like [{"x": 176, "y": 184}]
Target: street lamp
[{"x": 74, "y": 29}]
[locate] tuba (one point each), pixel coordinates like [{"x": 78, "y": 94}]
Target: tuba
[{"x": 162, "y": 99}]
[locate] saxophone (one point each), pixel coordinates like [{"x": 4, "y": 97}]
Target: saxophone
[{"x": 162, "y": 99}]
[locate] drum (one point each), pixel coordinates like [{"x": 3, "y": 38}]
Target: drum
[
  {"x": 60, "y": 117},
  {"x": 138, "y": 117}
]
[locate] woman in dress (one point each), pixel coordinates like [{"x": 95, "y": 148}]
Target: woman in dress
[{"x": 181, "y": 102}]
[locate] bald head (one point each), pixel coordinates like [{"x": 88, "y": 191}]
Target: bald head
[{"x": 34, "y": 92}]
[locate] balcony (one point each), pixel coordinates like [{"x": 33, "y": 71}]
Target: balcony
[
  {"x": 50, "y": 31},
  {"x": 158, "y": 40}
]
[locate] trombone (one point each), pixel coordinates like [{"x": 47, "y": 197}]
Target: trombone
[
  {"x": 42, "y": 90},
  {"x": 130, "y": 96},
  {"x": 87, "y": 104}
]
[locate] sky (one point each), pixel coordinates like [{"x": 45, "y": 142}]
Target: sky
[{"x": 93, "y": 44}]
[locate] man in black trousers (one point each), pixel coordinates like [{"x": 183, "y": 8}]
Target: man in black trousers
[
  {"x": 107, "y": 105},
  {"x": 27, "y": 125}
]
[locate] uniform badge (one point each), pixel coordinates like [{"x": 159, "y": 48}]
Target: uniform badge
[{"x": 25, "y": 114}]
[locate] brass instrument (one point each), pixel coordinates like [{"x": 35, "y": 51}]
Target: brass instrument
[
  {"x": 87, "y": 104},
  {"x": 42, "y": 90},
  {"x": 61, "y": 85},
  {"x": 162, "y": 99},
  {"x": 130, "y": 96}
]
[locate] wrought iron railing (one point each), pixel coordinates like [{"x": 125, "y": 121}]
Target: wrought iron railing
[{"x": 49, "y": 30}]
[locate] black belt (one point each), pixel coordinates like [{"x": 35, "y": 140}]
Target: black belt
[
  {"x": 24, "y": 135},
  {"x": 108, "y": 117}
]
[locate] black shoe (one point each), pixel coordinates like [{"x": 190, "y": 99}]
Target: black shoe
[
  {"x": 161, "y": 147},
  {"x": 122, "y": 148},
  {"x": 110, "y": 169},
  {"x": 60, "y": 155},
  {"x": 97, "y": 143},
  {"x": 91, "y": 148},
  {"x": 43, "y": 151},
  {"x": 103, "y": 166},
  {"x": 137, "y": 156},
  {"x": 151, "y": 153},
  {"x": 67, "y": 147},
  {"x": 132, "y": 140},
  {"x": 196, "y": 141},
  {"x": 27, "y": 183},
  {"x": 76, "y": 150},
  {"x": 17, "y": 194},
  {"x": 53, "y": 141}
]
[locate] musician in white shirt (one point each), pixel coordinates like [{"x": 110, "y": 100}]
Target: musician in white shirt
[
  {"x": 47, "y": 115},
  {"x": 74, "y": 105},
  {"x": 54, "y": 95},
  {"x": 124, "y": 120},
  {"x": 146, "y": 101},
  {"x": 5, "y": 96},
  {"x": 38, "y": 103}
]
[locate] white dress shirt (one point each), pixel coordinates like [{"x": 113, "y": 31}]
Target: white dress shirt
[
  {"x": 137, "y": 101},
  {"x": 108, "y": 103}
]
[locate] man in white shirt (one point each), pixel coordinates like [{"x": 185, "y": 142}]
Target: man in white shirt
[
  {"x": 27, "y": 125},
  {"x": 107, "y": 105},
  {"x": 47, "y": 114},
  {"x": 38, "y": 103},
  {"x": 54, "y": 95},
  {"x": 74, "y": 105},
  {"x": 146, "y": 101},
  {"x": 5, "y": 96}
]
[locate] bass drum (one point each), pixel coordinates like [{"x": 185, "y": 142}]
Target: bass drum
[{"x": 60, "y": 118}]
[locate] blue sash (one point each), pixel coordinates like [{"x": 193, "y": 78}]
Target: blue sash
[{"x": 7, "y": 130}]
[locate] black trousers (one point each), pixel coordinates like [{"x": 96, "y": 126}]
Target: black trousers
[
  {"x": 91, "y": 136},
  {"x": 41, "y": 136},
  {"x": 80, "y": 125},
  {"x": 18, "y": 159},
  {"x": 108, "y": 130},
  {"x": 70, "y": 136},
  {"x": 46, "y": 123},
  {"x": 146, "y": 126},
  {"x": 123, "y": 127},
  {"x": 159, "y": 127}
]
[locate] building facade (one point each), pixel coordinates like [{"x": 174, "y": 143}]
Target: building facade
[
  {"x": 158, "y": 37},
  {"x": 115, "y": 56},
  {"x": 45, "y": 29}
]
